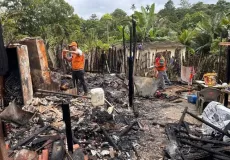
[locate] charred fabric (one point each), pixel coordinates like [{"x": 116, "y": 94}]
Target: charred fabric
[{"x": 60, "y": 125}]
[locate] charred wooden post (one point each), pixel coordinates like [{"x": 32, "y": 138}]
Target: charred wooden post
[
  {"x": 115, "y": 59},
  {"x": 91, "y": 60},
  {"x": 109, "y": 59},
  {"x": 131, "y": 84},
  {"x": 95, "y": 59},
  {"x": 112, "y": 60},
  {"x": 219, "y": 59},
  {"x": 133, "y": 61},
  {"x": 227, "y": 70},
  {"x": 67, "y": 120}
]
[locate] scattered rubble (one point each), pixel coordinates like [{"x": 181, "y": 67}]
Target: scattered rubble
[
  {"x": 110, "y": 131},
  {"x": 187, "y": 141}
]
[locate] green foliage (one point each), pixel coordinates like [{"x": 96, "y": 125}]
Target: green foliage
[
  {"x": 198, "y": 26},
  {"x": 186, "y": 37},
  {"x": 145, "y": 20}
]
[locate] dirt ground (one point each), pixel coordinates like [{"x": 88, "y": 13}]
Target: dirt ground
[{"x": 153, "y": 116}]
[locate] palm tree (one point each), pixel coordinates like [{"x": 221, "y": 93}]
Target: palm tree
[
  {"x": 225, "y": 22},
  {"x": 145, "y": 20},
  {"x": 186, "y": 37},
  {"x": 209, "y": 29}
]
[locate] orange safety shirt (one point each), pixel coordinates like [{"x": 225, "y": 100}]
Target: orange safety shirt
[
  {"x": 77, "y": 61},
  {"x": 158, "y": 66}
]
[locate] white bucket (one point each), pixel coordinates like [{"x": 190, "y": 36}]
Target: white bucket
[{"x": 97, "y": 97}]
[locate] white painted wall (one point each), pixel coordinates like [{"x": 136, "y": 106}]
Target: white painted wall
[{"x": 154, "y": 51}]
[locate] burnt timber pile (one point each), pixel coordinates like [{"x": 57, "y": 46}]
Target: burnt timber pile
[
  {"x": 39, "y": 125},
  {"x": 43, "y": 122}
]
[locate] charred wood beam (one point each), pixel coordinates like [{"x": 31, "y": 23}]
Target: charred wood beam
[
  {"x": 225, "y": 157},
  {"x": 30, "y": 137},
  {"x": 205, "y": 140},
  {"x": 59, "y": 93},
  {"x": 49, "y": 142},
  {"x": 110, "y": 140},
  {"x": 220, "y": 157},
  {"x": 225, "y": 149},
  {"x": 182, "y": 118},
  {"x": 45, "y": 138},
  {"x": 127, "y": 129}
]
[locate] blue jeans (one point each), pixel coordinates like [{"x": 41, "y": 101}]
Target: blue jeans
[{"x": 162, "y": 75}]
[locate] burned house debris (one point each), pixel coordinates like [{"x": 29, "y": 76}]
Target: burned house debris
[{"x": 43, "y": 117}]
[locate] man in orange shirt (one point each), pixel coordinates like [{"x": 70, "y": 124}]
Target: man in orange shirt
[
  {"x": 160, "y": 65},
  {"x": 77, "y": 60}
]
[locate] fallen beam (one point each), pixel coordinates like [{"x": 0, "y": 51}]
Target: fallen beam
[
  {"x": 206, "y": 140},
  {"x": 30, "y": 137},
  {"x": 127, "y": 129},
  {"x": 60, "y": 93},
  {"x": 109, "y": 139},
  {"x": 209, "y": 150},
  {"x": 45, "y": 138}
]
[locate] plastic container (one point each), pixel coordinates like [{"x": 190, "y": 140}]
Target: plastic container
[
  {"x": 192, "y": 99},
  {"x": 210, "y": 79},
  {"x": 97, "y": 97}
]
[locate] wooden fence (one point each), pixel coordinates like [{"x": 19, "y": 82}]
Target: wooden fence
[
  {"x": 118, "y": 61},
  {"x": 115, "y": 60}
]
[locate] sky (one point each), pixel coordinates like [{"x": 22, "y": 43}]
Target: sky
[{"x": 85, "y": 8}]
